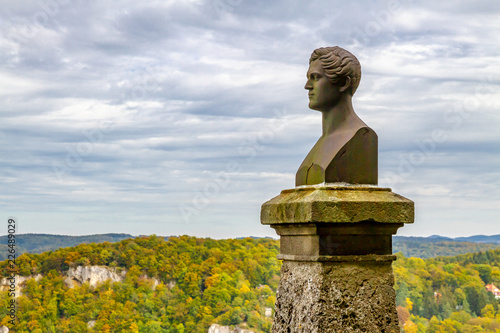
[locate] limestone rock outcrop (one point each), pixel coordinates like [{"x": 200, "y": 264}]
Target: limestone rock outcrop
[
  {"x": 153, "y": 280},
  {"x": 94, "y": 275},
  {"x": 76, "y": 276},
  {"x": 215, "y": 328},
  {"x": 19, "y": 282},
  {"x": 91, "y": 324}
]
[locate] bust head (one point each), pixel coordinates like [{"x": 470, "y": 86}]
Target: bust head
[
  {"x": 347, "y": 149},
  {"x": 338, "y": 65}
]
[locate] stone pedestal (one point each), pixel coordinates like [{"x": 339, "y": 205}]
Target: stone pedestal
[{"x": 336, "y": 247}]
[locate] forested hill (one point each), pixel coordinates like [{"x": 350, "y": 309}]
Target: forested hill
[
  {"x": 38, "y": 243},
  {"x": 434, "y": 246},
  {"x": 229, "y": 282},
  {"x": 202, "y": 281},
  {"x": 420, "y": 247}
]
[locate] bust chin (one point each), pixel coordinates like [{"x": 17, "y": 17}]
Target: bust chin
[{"x": 346, "y": 152}]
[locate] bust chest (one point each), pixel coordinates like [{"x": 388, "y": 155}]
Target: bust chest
[{"x": 349, "y": 158}]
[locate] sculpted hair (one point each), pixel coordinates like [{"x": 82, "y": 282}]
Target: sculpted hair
[{"x": 338, "y": 64}]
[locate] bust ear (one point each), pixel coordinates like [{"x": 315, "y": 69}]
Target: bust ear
[{"x": 346, "y": 85}]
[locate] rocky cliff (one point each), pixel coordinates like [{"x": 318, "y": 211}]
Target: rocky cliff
[
  {"x": 19, "y": 282},
  {"x": 215, "y": 328},
  {"x": 93, "y": 275}
]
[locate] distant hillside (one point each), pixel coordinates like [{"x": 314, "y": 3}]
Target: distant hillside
[
  {"x": 481, "y": 239},
  {"x": 493, "y": 239},
  {"x": 434, "y": 246},
  {"x": 38, "y": 243}
]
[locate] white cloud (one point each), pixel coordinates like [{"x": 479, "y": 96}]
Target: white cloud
[{"x": 115, "y": 114}]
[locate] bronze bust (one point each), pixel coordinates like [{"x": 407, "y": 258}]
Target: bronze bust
[{"x": 347, "y": 150}]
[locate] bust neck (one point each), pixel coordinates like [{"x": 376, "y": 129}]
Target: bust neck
[{"x": 341, "y": 117}]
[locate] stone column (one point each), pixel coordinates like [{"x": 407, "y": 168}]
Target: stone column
[{"x": 336, "y": 247}]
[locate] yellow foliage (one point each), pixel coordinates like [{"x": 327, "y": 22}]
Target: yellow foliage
[
  {"x": 244, "y": 289},
  {"x": 134, "y": 328},
  {"x": 5, "y": 320},
  {"x": 71, "y": 257},
  {"x": 212, "y": 280},
  {"x": 410, "y": 327},
  {"x": 488, "y": 311},
  {"x": 409, "y": 304}
]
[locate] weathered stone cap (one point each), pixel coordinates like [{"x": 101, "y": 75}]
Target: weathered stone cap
[{"x": 337, "y": 203}]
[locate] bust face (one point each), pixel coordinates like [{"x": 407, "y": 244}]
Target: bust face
[{"x": 323, "y": 94}]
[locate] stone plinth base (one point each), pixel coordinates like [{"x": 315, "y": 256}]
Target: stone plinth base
[
  {"x": 355, "y": 296},
  {"x": 336, "y": 247}
]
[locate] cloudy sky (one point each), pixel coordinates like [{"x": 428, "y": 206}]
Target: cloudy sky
[{"x": 183, "y": 117}]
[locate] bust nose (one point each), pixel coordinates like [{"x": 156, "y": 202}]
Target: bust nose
[{"x": 308, "y": 85}]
